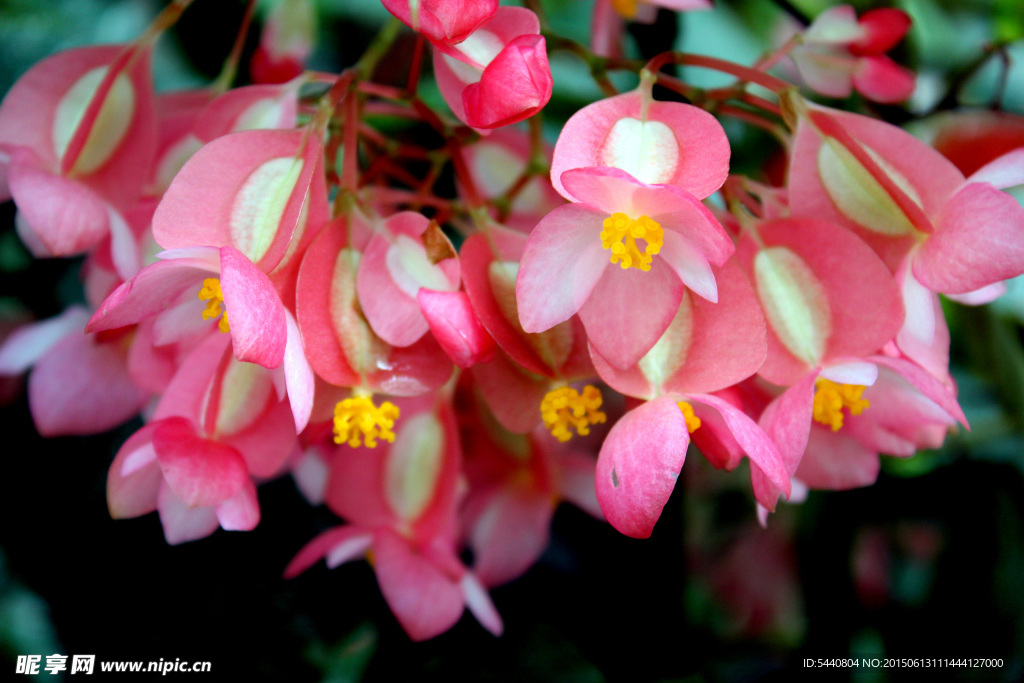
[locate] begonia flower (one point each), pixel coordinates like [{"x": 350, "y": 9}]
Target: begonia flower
[
  {"x": 219, "y": 424},
  {"x": 533, "y": 371},
  {"x": 584, "y": 258},
  {"x": 286, "y": 42},
  {"x": 840, "y": 53},
  {"x": 400, "y": 503},
  {"x": 77, "y": 139},
  {"x": 645, "y": 450},
  {"x": 499, "y": 74}
]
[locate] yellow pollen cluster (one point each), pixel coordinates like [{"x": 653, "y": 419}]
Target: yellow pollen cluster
[
  {"x": 214, "y": 298},
  {"x": 626, "y": 8},
  {"x": 692, "y": 421},
  {"x": 357, "y": 418},
  {"x": 565, "y": 407},
  {"x": 620, "y": 235},
  {"x": 830, "y": 399}
]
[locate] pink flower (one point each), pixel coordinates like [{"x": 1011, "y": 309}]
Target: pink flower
[
  {"x": 400, "y": 502},
  {"x": 840, "y": 53},
  {"x": 77, "y": 139},
  {"x": 645, "y": 450},
  {"x": 584, "y": 258},
  {"x": 499, "y": 74},
  {"x": 285, "y": 43}
]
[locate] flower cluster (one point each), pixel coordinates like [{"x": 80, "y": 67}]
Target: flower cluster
[{"x": 278, "y": 287}]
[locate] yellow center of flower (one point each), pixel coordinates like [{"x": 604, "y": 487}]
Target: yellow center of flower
[
  {"x": 358, "y": 418},
  {"x": 626, "y": 8},
  {"x": 214, "y": 298},
  {"x": 692, "y": 421},
  {"x": 830, "y": 399},
  {"x": 565, "y": 407},
  {"x": 620, "y": 235}
]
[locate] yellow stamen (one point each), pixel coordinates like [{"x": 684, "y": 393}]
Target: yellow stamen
[
  {"x": 620, "y": 235},
  {"x": 358, "y": 418},
  {"x": 692, "y": 421},
  {"x": 830, "y": 399},
  {"x": 214, "y": 298},
  {"x": 626, "y": 8},
  {"x": 565, "y": 407}
]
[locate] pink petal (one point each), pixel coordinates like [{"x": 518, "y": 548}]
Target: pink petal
[
  {"x": 240, "y": 512},
  {"x": 1002, "y": 172},
  {"x": 836, "y": 461},
  {"x": 298, "y": 374},
  {"x": 978, "y": 240},
  {"x": 326, "y": 544},
  {"x": 618, "y": 329},
  {"x": 787, "y": 420},
  {"x": 134, "y": 478},
  {"x": 561, "y": 265},
  {"x": 479, "y": 603},
  {"x": 880, "y": 79},
  {"x": 513, "y": 87},
  {"x": 201, "y": 472},
  {"x": 425, "y": 601},
  {"x": 510, "y": 533},
  {"x": 639, "y": 464},
  {"x": 883, "y": 28},
  {"x": 765, "y": 457},
  {"x": 82, "y": 386},
  {"x": 259, "y": 331},
  {"x": 447, "y": 21},
  {"x": 27, "y": 344},
  {"x": 182, "y": 523},
  {"x": 154, "y": 289}
]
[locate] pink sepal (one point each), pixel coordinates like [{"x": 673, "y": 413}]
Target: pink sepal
[
  {"x": 201, "y": 472},
  {"x": 455, "y": 326},
  {"x": 424, "y": 599},
  {"x": 205, "y": 204},
  {"x": 639, "y": 464},
  {"x": 701, "y": 148},
  {"x": 251, "y": 107},
  {"x": 298, "y": 375}
]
